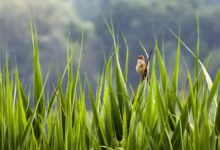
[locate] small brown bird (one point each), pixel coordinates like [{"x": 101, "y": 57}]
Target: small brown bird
[{"x": 142, "y": 67}]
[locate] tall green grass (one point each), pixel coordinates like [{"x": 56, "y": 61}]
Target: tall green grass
[{"x": 163, "y": 114}]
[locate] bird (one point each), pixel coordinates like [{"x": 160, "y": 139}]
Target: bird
[{"x": 142, "y": 67}]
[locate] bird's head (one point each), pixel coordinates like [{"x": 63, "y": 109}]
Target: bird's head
[{"x": 140, "y": 57}]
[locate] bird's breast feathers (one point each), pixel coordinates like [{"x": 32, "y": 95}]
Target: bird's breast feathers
[{"x": 140, "y": 68}]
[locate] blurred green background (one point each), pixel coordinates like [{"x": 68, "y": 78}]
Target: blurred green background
[{"x": 138, "y": 20}]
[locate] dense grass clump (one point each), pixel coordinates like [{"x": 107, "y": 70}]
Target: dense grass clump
[{"x": 160, "y": 117}]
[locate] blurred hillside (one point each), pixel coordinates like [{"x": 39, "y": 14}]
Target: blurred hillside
[{"x": 138, "y": 20}]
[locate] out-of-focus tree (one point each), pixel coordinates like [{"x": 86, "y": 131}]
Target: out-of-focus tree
[{"x": 53, "y": 20}]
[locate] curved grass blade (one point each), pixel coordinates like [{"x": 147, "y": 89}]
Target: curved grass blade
[
  {"x": 207, "y": 76},
  {"x": 38, "y": 80},
  {"x": 176, "y": 70},
  {"x": 163, "y": 73},
  {"x": 126, "y": 60}
]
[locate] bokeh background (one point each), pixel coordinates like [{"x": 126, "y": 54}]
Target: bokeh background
[{"x": 138, "y": 20}]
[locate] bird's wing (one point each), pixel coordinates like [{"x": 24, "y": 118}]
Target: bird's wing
[{"x": 145, "y": 73}]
